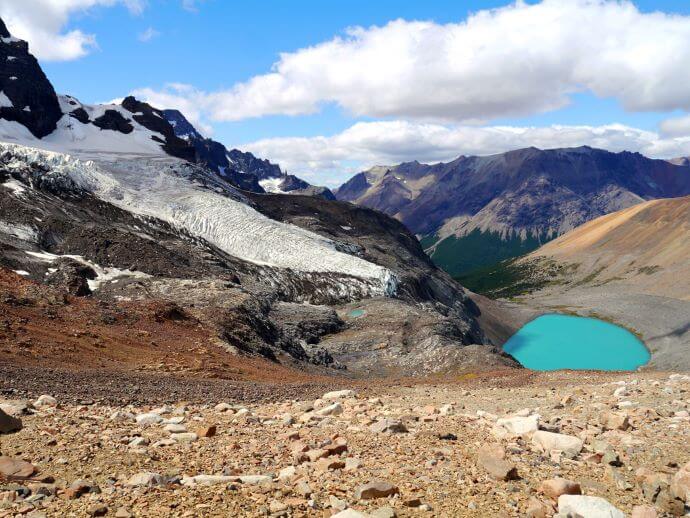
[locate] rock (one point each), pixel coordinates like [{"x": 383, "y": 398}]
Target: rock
[
  {"x": 547, "y": 442},
  {"x": 123, "y": 512},
  {"x": 349, "y": 513},
  {"x": 15, "y": 468},
  {"x": 643, "y": 511},
  {"x": 147, "y": 479},
  {"x": 206, "y": 431},
  {"x": 388, "y": 426},
  {"x": 329, "y": 464},
  {"x": 339, "y": 394},
  {"x": 45, "y": 401},
  {"x": 555, "y": 487},
  {"x": 97, "y": 510},
  {"x": 336, "y": 503},
  {"x": 223, "y": 407},
  {"x": 587, "y": 506},
  {"x": 175, "y": 428},
  {"x": 383, "y": 512},
  {"x": 252, "y": 480},
  {"x": 352, "y": 464},
  {"x": 537, "y": 509},
  {"x": 303, "y": 488},
  {"x": 376, "y": 489},
  {"x": 492, "y": 459},
  {"x": 334, "y": 409},
  {"x": 184, "y": 437},
  {"x": 614, "y": 421},
  {"x": 680, "y": 484},
  {"x": 208, "y": 480},
  {"x": 8, "y": 423},
  {"x": 276, "y": 507},
  {"x": 511, "y": 427},
  {"x": 148, "y": 419},
  {"x": 137, "y": 442},
  {"x": 287, "y": 473}
]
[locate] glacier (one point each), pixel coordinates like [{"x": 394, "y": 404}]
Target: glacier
[{"x": 173, "y": 191}]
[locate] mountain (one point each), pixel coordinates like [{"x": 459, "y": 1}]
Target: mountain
[
  {"x": 116, "y": 211},
  {"x": 646, "y": 247},
  {"x": 241, "y": 168},
  {"x": 476, "y": 211}
]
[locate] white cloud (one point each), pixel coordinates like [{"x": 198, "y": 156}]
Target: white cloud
[
  {"x": 41, "y": 23},
  {"x": 513, "y": 61},
  {"x": 678, "y": 127},
  {"x": 148, "y": 35},
  {"x": 330, "y": 160},
  {"x": 191, "y": 5}
]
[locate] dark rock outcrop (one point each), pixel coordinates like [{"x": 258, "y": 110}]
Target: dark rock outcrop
[
  {"x": 110, "y": 120},
  {"x": 154, "y": 120},
  {"x": 29, "y": 98},
  {"x": 71, "y": 276}
]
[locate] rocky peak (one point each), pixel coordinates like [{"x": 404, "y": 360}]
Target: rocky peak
[{"x": 26, "y": 95}]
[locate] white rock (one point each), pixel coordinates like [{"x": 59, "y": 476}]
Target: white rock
[
  {"x": 620, "y": 392},
  {"x": 587, "y": 506},
  {"x": 207, "y": 480},
  {"x": 121, "y": 415},
  {"x": 185, "y": 437},
  {"x": 334, "y": 409},
  {"x": 223, "y": 407},
  {"x": 138, "y": 441},
  {"x": 254, "y": 479},
  {"x": 287, "y": 473},
  {"x": 517, "y": 426},
  {"x": 349, "y": 513},
  {"x": 175, "y": 428},
  {"x": 146, "y": 478},
  {"x": 338, "y": 394},
  {"x": 148, "y": 419},
  {"x": 548, "y": 442},
  {"x": 45, "y": 401}
]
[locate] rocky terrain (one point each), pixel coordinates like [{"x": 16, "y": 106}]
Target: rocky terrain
[
  {"x": 122, "y": 208},
  {"x": 533, "y": 445},
  {"x": 477, "y": 211}
]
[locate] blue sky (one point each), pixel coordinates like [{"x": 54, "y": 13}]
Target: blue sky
[{"x": 214, "y": 45}]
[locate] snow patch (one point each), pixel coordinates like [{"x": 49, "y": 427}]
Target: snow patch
[
  {"x": 24, "y": 273},
  {"x": 18, "y": 230},
  {"x": 103, "y": 273},
  {"x": 5, "y": 101},
  {"x": 272, "y": 185},
  {"x": 16, "y": 187}
]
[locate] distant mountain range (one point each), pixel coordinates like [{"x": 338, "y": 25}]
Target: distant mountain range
[{"x": 476, "y": 211}]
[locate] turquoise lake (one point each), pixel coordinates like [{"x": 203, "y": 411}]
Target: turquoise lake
[
  {"x": 552, "y": 342},
  {"x": 356, "y": 313}
]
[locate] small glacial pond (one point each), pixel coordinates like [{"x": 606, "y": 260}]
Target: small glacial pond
[
  {"x": 552, "y": 342},
  {"x": 356, "y": 313}
]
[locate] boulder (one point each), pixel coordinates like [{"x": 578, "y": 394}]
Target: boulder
[
  {"x": 643, "y": 511},
  {"x": 338, "y": 394},
  {"x": 555, "y": 487},
  {"x": 8, "y": 423},
  {"x": 680, "y": 484},
  {"x": 548, "y": 442},
  {"x": 148, "y": 419},
  {"x": 516, "y": 426},
  {"x": 45, "y": 401},
  {"x": 15, "y": 468},
  {"x": 587, "y": 506},
  {"x": 349, "y": 513},
  {"x": 207, "y": 480},
  {"x": 334, "y": 409},
  {"x": 146, "y": 479},
  {"x": 614, "y": 421},
  {"x": 492, "y": 459},
  {"x": 376, "y": 489},
  {"x": 388, "y": 426}
]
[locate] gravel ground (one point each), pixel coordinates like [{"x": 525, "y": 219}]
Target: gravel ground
[{"x": 320, "y": 457}]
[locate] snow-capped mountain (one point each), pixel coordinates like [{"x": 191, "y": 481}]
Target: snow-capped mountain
[
  {"x": 119, "y": 202},
  {"x": 241, "y": 168}
]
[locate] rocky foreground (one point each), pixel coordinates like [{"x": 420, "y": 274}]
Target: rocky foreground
[{"x": 562, "y": 444}]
